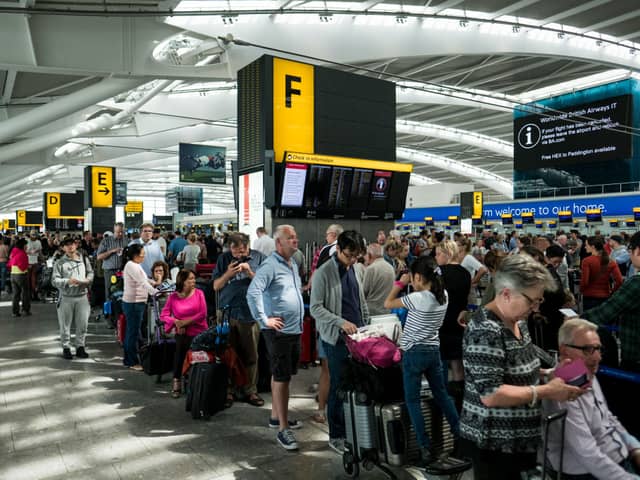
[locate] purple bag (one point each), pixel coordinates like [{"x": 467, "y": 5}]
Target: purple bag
[{"x": 375, "y": 351}]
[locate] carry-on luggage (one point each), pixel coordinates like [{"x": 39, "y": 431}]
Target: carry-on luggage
[
  {"x": 398, "y": 439},
  {"x": 308, "y": 347},
  {"x": 157, "y": 354},
  {"x": 361, "y": 445},
  {"x": 121, "y": 328},
  {"x": 206, "y": 389}
]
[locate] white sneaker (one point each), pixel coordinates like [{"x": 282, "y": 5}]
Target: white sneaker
[{"x": 337, "y": 445}]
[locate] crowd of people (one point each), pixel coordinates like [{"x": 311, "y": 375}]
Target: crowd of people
[{"x": 484, "y": 366}]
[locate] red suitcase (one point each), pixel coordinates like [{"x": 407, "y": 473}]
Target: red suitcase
[
  {"x": 308, "y": 348},
  {"x": 121, "y": 328}
]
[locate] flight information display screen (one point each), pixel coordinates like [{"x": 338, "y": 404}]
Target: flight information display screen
[
  {"x": 295, "y": 176},
  {"x": 336, "y": 191}
]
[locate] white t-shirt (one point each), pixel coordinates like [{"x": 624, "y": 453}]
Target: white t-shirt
[
  {"x": 424, "y": 319},
  {"x": 190, "y": 254},
  {"x": 265, "y": 245},
  {"x": 471, "y": 265},
  {"x": 34, "y": 248},
  {"x": 162, "y": 243}
]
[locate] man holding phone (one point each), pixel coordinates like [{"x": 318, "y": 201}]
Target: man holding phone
[
  {"x": 596, "y": 445},
  {"x": 233, "y": 273},
  {"x": 110, "y": 254}
]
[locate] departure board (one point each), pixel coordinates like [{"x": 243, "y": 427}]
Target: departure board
[
  {"x": 339, "y": 188},
  {"x": 360, "y": 188}
]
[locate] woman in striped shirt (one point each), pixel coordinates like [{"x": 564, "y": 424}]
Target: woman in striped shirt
[{"x": 427, "y": 306}]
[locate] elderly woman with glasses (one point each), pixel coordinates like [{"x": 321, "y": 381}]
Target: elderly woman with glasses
[{"x": 500, "y": 421}]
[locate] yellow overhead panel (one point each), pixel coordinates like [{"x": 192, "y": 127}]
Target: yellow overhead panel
[
  {"x": 347, "y": 162},
  {"x": 53, "y": 204},
  {"x": 22, "y": 218},
  {"x": 134, "y": 206},
  {"x": 293, "y": 107},
  {"x": 101, "y": 187},
  {"x": 477, "y": 204}
]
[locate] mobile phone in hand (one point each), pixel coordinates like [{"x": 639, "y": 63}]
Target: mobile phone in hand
[{"x": 574, "y": 373}]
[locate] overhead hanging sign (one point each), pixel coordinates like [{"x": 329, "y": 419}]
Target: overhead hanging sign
[
  {"x": 52, "y": 204},
  {"x": 293, "y": 107},
  {"x": 21, "y": 216},
  {"x": 102, "y": 186},
  {"x": 134, "y": 206}
]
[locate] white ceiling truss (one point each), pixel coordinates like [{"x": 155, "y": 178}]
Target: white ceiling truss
[{"x": 104, "y": 82}]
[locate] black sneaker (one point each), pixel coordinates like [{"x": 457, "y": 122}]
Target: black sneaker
[
  {"x": 81, "y": 353},
  {"x": 15, "y": 315},
  {"x": 26, "y": 314},
  {"x": 425, "y": 457},
  {"x": 66, "y": 354}
]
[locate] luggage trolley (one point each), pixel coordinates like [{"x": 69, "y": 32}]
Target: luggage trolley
[{"x": 380, "y": 435}]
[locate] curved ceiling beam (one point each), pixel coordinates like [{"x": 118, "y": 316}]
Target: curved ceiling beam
[
  {"x": 81, "y": 129},
  {"x": 14, "y": 126},
  {"x": 416, "y": 38},
  {"x": 419, "y": 180},
  {"x": 478, "y": 175},
  {"x": 455, "y": 135}
]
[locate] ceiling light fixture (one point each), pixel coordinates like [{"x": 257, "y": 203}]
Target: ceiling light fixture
[{"x": 229, "y": 19}]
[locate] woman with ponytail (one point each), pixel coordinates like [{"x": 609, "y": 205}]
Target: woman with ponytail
[{"x": 420, "y": 344}]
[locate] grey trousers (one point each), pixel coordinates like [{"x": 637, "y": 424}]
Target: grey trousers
[{"x": 73, "y": 309}]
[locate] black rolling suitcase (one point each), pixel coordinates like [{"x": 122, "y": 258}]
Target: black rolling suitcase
[
  {"x": 206, "y": 389},
  {"x": 157, "y": 354}
]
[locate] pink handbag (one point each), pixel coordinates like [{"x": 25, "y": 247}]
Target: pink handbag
[{"x": 376, "y": 351}]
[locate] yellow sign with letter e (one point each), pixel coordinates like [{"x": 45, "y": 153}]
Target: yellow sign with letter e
[{"x": 102, "y": 187}]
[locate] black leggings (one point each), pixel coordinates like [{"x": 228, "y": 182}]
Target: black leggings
[
  {"x": 183, "y": 343},
  {"x": 492, "y": 464}
]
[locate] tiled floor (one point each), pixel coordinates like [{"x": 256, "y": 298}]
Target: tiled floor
[{"x": 94, "y": 419}]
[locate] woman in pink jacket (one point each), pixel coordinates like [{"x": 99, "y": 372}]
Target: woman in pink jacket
[
  {"x": 186, "y": 313},
  {"x": 137, "y": 288}
]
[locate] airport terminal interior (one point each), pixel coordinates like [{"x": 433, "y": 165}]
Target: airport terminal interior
[{"x": 420, "y": 119}]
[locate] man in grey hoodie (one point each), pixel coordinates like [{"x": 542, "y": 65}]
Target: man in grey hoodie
[{"x": 72, "y": 276}]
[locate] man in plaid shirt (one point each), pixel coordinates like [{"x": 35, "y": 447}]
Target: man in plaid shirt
[{"x": 624, "y": 304}]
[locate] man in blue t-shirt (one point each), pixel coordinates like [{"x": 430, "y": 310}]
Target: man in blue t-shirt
[{"x": 175, "y": 247}]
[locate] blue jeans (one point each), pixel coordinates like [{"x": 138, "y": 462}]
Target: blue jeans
[
  {"x": 419, "y": 360},
  {"x": 133, "y": 313},
  {"x": 3, "y": 275},
  {"x": 336, "y": 355}
]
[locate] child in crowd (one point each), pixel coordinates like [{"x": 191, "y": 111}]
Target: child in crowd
[{"x": 420, "y": 344}]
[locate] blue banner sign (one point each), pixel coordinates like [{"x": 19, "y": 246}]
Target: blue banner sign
[{"x": 619, "y": 205}]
